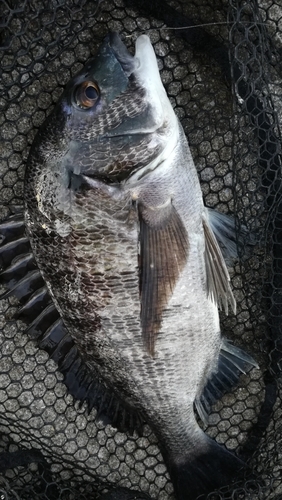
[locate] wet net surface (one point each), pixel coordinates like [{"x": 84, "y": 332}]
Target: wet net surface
[{"x": 224, "y": 82}]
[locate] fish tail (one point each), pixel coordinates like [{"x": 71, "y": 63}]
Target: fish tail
[{"x": 208, "y": 467}]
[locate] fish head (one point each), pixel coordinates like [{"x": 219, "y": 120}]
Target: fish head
[
  {"x": 117, "y": 117},
  {"x": 101, "y": 81}
]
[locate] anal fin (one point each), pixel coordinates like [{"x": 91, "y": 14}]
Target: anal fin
[
  {"x": 232, "y": 363},
  {"x": 218, "y": 280},
  {"x": 232, "y": 240}
]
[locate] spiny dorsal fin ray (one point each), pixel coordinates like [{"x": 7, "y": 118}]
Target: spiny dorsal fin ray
[
  {"x": 12, "y": 249},
  {"x": 34, "y": 304},
  {"x": 218, "y": 280},
  {"x": 12, "y": 227},
  {"x": 26, "y": 286},
  {"x": 18, "y": 268},
  {"x": 163, "y": 254}
]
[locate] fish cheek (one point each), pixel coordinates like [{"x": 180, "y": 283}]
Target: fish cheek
[{"x": 111, "y": 159}]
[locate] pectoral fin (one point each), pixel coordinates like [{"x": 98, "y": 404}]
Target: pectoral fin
[
  {"x": 163, "y": 254},
  {"x": 218, "y": 280}
]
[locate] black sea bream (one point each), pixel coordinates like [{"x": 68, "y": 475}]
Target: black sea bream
[{"x": 130, "y": 272}]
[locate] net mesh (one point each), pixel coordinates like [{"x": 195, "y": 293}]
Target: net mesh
[{"x": 224, "y": 81}]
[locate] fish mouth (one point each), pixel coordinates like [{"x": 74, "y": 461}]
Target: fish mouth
[
  {"x": 143, "y": 64},
  {"x": 143, "y": 68},
  {"x": 123, "y": 56}
]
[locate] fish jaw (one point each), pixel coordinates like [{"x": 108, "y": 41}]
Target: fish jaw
[{"x": 148, "y": 76}]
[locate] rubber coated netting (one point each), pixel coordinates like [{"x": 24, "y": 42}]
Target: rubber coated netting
[{"x": 224, "y": 80}]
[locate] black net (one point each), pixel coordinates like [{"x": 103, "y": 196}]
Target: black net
[{"x": 223, "y": 77}]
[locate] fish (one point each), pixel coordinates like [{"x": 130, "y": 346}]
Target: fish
[{"x": 118, "y": 264}]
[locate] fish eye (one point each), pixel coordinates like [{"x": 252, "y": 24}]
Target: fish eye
[{"x": 86, "y": 94}]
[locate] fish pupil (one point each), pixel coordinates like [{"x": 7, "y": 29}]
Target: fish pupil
[{"x": 91, "y": 92}]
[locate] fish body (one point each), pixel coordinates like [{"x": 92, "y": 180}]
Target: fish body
[{"x": 125, "y": 246}]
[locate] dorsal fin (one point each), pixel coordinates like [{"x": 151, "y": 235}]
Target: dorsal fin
[{"x": 21, "y": 276}]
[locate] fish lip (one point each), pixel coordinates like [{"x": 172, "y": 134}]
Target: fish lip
[{"x": 123, "y": 56}]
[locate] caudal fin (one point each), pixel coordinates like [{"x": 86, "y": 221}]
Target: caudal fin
[{"x": 207, "y": 468}]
